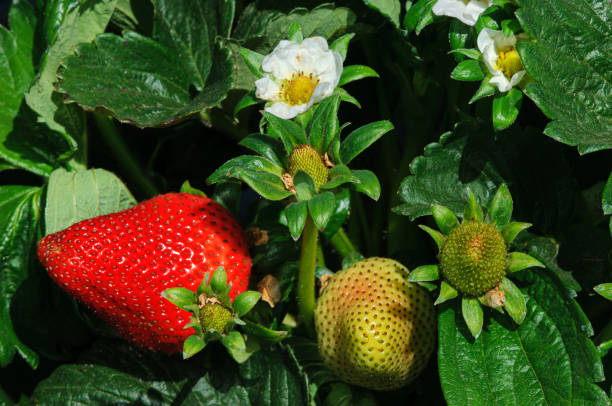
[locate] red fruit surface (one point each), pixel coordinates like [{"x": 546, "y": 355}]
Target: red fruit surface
[{"x": 120, "y": 263}]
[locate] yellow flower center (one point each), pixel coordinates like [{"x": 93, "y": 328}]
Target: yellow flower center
[
  {"x": 509, "y": 62},
  {"x": 298, "y": 89}
]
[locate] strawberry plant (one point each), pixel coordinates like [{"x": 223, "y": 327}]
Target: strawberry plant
[{"x": 302, "y": 203}]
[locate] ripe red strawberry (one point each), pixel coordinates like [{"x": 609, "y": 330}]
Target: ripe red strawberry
[{"x": 120, "y": 263}]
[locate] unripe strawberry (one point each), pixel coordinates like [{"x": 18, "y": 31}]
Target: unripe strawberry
[
  {"x": 307, "y": 159},
  {"x": 213, "y": 315},
  {"x": 375, "y": 328},
  {"x": 119, "y": 264},
  {"x": 473, "y": 258}
]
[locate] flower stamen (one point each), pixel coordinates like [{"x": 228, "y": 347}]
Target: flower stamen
[
  {"x": 298, "y": 89},
  {"x": 509, "y": 62}
]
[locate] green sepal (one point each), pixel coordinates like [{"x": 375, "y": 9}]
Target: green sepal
[
  {"x": 267, "y": 146},
  {"x": 249, "y": 99},
  {"x": 340, "y": 45},
  {"x": 236, "y": 167},
  {"x": 180, "y": 297},
  {"x": 321, "y": 207},
  {"x": 235, "y": 345},
  {"x": 437, "y": 236},
  {"x": 424, "y": 273},
  {"x": 339, "y": 175},
  {"x": 295, "y": 33},
  {"x": 351, "y": 258},
  {"x": 605, "y": 290},
  {"x": 304, "y": 118},
  {"x": 290, "y": 133},
  {"x": 304, "y": 186},
  {"x": 473, "y": 211},
  {"x": 187, "y": 188},
  {"x": 244, "y": 302},
  {"x": 253, "y": 61},
  {"x": 510, "y": 27},
  {"x": 265, "y": 334},
  {"x": 512, "y": 229},
  {"x": 218, "y": 282},
  {"x": 194, "y": 322},
  {"x": 347, "y": 97},
  {"x": 367, "y": 183},
  {"x": 506, "y": 107},
  {"x": 500, "y": 209},
  {"x": 352, "y": 73},
  {"x": 445, "y": 218},
  {"x": 485, "y": 90},
  {"x": 204, "y": 287},
  {"x": 517, "y": 261},
  {"x": 361, "y": 138},
  {"x": 469, "y": 52},
  {"x": 447, "y": 292},
  {"x": 515, "y": 303},
  {"x": 473, "y": 315},
  {"x": 428, "y": 285},
  {"x": 468, "y": 71},
  {"x": 268, "y": 185},
  {"x": 295, "y": 215},
  {"x": 324, "y": 124},
  {"x": 192, "y": 345},
  {"x": 482, "y": 299}
]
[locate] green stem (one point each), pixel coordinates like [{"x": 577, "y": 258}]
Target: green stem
[
  {"x": 605, "y": 334},
  {"x": 306, "y": 276},
  {"x": 120, "y": 151},
  {"x": 342, "y": 243}
]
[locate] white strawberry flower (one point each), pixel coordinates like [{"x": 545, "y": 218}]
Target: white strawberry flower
[
  {"x": 298, "y": 75},
  {"x": 467, "y": 11},
  {"x": 502, "y": 59}
]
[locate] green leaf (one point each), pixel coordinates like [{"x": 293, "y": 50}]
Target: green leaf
[
  {"x": 296, "y": 214},
  {"x": 367, "y": 183},
  {"x": 253, "y": 61},
  {"x": 267, "y": 146},
  {"x": 341, "y": 211},
  {"x": 19, "y": 216},
  {"x": 607, "y": 196},
  {"x": 517, "y": 261},
  {"x": 390, "y": 9},
  {"x": 339, "y": 175},
  {"x": 179, "y": 296},
  {"x": 135, "y": 376},
  {"x": 605, "y": 290},
  {"x": 445, "y": 218},
  {"x": 81, "y": 23},
  {"x": 236, "y": 346},
  {"x": 247, "y": 100},
  {"x": 472, "y": 314},
  {"x": 424, "y": 273},
  {"x": 512, "y": 229},
  {"x": 468, "y": 71},
  {"x": 360, "y": 139},
  {"x": 352, "y": 73},
  {"x": 570, "y": 40},
  {"x": 218, "y": 282},
  {"x": 304, "y": 185},
  {"x": 506, "y": 107},
  {"x": 116, "y": 74},
  {"x": 76, "y": 196},
  {"x": 321, "y": 207},
  {"x": 340, "y": 45},
  {"x": 192, "y": 345},
  {"x": 187, "y": 188},
  {"x": 287, "y": 131},
  {"x": 514, "y": 301},
  {"x": 469, "y": 52},
  {"x": 437, "y": 236},
  {"x": 506, "y": 364},
  {"x": 345, "y": 96},
  {"x": 265, "y": 334},
  {"x": 485, "y": 90},
  {"x": 447, "y": 292},
  {"x": 419, "y": 15},
  {"x": 236, "y": 167},
  {"x": 245, "y": 301},
  {"x": 324, "y": 124},
  {"x": 500, "y": 209},
  {"x": 266, "y": 184}
]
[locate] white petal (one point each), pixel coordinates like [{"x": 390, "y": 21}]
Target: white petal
[
  {"x": 277, "y": 67},
  {"x": 517, "y": 77},
  {"x": 490, "y": 58},
  {"x": 266, "y": 88},
  {"x": 502, "y": 82},
  {"x": 321, "y": 91},
  {"x": 283, "y": 110},
  {"x": 316, "y": 44},
  {"x": 473, "y": 10},
  {"x": 485, "y": 39}
]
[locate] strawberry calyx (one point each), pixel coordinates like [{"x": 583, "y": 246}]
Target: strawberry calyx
[{"x": 215, "y": 318}]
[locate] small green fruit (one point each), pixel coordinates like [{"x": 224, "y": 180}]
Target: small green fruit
[
  {"x": 306, "y": 158},
  {"x": 473, "y": 258},
  {"x": 213, "y": 315},
  {"x": 375, "y": 328}
]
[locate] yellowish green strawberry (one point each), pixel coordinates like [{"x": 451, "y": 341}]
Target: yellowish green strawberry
[
  {"x": 306, "y": 158},
  {"x": 375, "y": 328}
]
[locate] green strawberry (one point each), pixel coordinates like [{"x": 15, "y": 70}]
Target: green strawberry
[
  {"x": 473, "y": 258},
  {"x": 306, "y": 158},
  {"x": 375, "y": 328}
]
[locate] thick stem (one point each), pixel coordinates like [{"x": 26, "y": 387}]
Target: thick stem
[
  {"x": 306, "y": 276},
  {"x": 133, "y": 171},
  {"x": 342, "y": 243}
]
